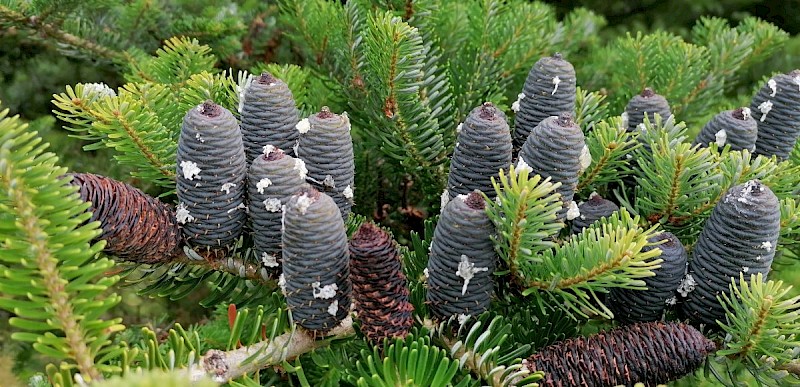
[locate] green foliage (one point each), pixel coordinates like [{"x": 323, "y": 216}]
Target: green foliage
[
  {"x": 413, "y": 362},
  {"x": 608, "y": 254},
  {"x": 525, "y": 217},
  {"x": 155, "y": 379},
  {"x": 51, "y": 280},
  {"x": 762, "y": 327},
  {"x": 609, "y": 143}
]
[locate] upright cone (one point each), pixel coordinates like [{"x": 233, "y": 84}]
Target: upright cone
[
  {"x": 591, "y": 211},
  {"x": 739, "y": 238},
  {"x": 549, "y": 90},
  {"x": 630, "y": 306},
  {"x": 327, "y": 149},
  {"x": 380, "y": 289},
  {"x": 554, "y": 150},
  {"x": 316, "y": 262},
  {"x": 272, "y": 178},
  {"x": 483, "y": 148},
  {"x": 648, "y": 103},
  {"x": 269, "y": 116},
  {"x": 736, "y": 128},
  {"x": 136, "y": 226},
  {"x": 211, "y": 173},
  {"x": 776, "y": 108},
  {"x": 462, "y": 259}
]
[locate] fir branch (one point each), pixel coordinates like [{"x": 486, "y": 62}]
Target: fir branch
[
  {"x": 52, "y": 31},
  {"x": 525, "y": 216},
  {"x": 46, "y": 258},
  {"x": 761, "y": 322},
  {"x": 225, "y": 366},
  {"x": 608, "y": 144},
  {"x": 608, "y": 254}
]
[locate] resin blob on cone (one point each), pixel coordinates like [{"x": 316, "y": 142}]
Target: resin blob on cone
[{"x": 776, "y": 108}]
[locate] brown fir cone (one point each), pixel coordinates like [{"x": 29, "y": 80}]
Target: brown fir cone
[
  {"x": 650, "y": 353},
  {"x": 136, "y": 226},
  {"x": 380, "y": 289}
]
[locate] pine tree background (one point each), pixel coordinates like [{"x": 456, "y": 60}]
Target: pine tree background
[{"x": 712, "y": 64}]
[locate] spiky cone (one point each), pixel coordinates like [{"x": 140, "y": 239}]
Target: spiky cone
[
  {"x": 591, "y": 211},
  {"x": 735, "y": 127},
  {"x": 554, "y": 150},
  {"x": 272, "y": 178},
  {"x": 327, "y": 149},
  {"x": 649, "y": 353},
  {"x": 776, "y": 108},
  {"x": 136, "y": 226},
  {"x": 211, "y": 173},
  {"x": 549, "y": 90},
  {"x": 316, "y": 261},
  {"x": 462, "y": 259},
  {"x": 738, "y": 238},
  {"x": 631, "y": 306},
  {"x": 483, "y": 148},
  {"x": 647, "y": 103},
  {"x": 380, "y": 289},
  {"x": 269, "y": 116}
]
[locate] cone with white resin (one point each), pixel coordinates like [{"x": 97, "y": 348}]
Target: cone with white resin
[
  {"x": 591, "y": 211},
  {"x": 776, "y": 108},
  {"x": 211, "y": 173},
  {"x": 316, "y": 261},
  {"x": 738, "y": 238},
  {"x": 648, "y": 103},
  {"x": 462, "y": 259},
  {"x": 269, "y": 116},
  {"x": 549, "y": 90},
  {"x": 327, "y": 149},
  {"x": 631, "y": 306},
  {"x": 272, "y": 178},
  {"x": 554, "y": 150},
  {"x": 483, "y": 148},
  {"x": 736, "y": 128}
]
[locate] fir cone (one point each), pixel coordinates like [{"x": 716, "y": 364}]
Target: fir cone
[
  {"x": 549, "y": 90},
  {"x": 211, "y": 173},
  {"x": 649, "y": 353},
  {"x": 591, "y": 211},
  {"x": 483, "y": 148},
  {"x": 380, "y": 289},
  {"x": 316, "y": 263},
  {"x": 735, "y": 127},
  {"x": 461, "y": 259},
  {"x": 739, "y": 237},
  {"x": 630, "y": 306},
  {"x": 269, "y": 116},
  {"x": 136, "y": 226},
  {"x": 647, "y": 103},
  {"x": 327, "y": 148},
  {"x": 272, "y": 178},
  {"x": 554, "y": 150},
  {"x": 776, "y": 108}
]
